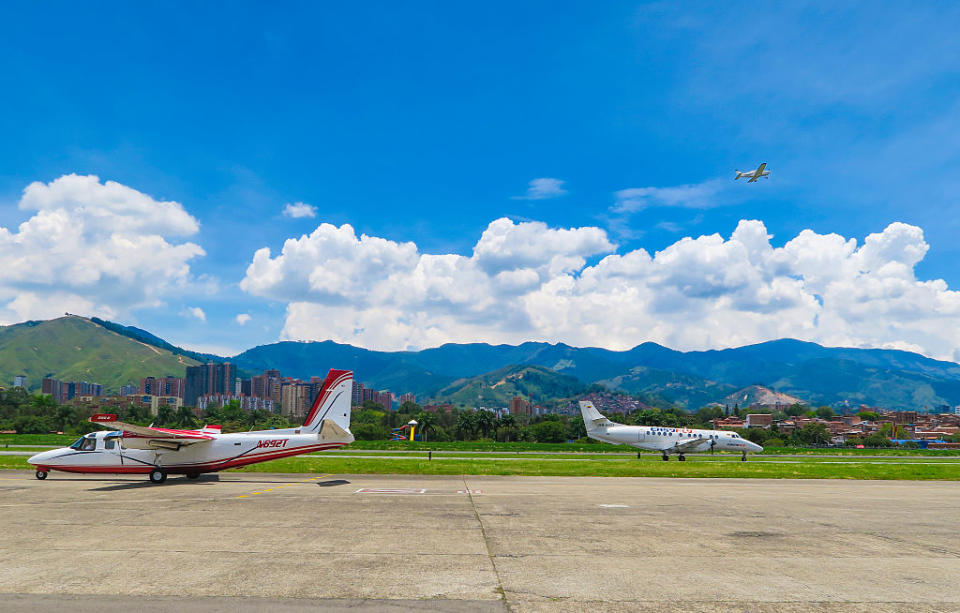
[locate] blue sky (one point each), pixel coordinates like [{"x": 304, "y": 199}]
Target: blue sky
[{"x": 425, "y": 122}]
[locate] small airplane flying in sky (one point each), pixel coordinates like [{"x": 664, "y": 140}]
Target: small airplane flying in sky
[
  {"x": 160, "y": 451},
  {"x": 761, "y": 171},
  {"x": 665, "y": 440}
]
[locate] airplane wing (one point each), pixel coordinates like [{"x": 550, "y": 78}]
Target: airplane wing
[
  {"x": 757, "y": 173},
  {"x": 150, "y": 438},
  {"x": 692, "y": 444}
]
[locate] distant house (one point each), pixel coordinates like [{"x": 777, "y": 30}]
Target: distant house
[
  {"x": 759, "y": 420},
  {"x": 728, "y": 422}
]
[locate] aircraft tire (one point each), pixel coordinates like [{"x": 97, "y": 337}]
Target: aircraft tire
[
  {"x": 193, "y": 475},
  {"x": 743, "y": 458},
  {"x": 666, "y": 458},
  {"x": 682, "y": 458},
  {"x": 158, "y": 475},
  {"x": 41, "y": 474}
]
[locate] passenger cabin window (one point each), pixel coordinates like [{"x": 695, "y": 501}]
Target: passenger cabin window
[{"x": 109, "y": 443}]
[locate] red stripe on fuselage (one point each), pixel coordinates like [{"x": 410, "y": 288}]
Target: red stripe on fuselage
[{"x": 205, "y": 467}]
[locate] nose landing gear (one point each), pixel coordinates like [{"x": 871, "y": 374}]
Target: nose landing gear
[
  {"x": 743, "y": 458},
  {"x": 158, "y": 475},
  {"x": 41, "y": 474}
]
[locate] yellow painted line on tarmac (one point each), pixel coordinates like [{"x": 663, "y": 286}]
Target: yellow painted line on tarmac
[{"x": 283, "y": 485}]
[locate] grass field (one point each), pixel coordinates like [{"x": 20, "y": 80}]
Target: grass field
[{"x": 718, "y": 466}]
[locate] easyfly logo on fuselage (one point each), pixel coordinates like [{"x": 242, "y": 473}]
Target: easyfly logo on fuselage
[{"x": 273, "y": 443}]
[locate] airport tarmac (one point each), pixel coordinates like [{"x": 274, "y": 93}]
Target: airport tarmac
[{"x": 290, "y": 542}]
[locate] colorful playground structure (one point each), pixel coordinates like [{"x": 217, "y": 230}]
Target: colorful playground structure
[{"x": 406, "y": 432}]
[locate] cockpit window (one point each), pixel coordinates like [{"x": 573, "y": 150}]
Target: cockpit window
[
  {"x": 76, "y": 444},
  {"x": 89, "y": 444}
]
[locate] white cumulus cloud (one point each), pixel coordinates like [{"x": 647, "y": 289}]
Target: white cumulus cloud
[
  {"x": 543, "y": 188},
  {"x": 92, "y": 247},
  {"x": 297, "y": 210},
  {"x": 242, "y": 318},
  {"x": 527, "y": 281},
  {"x": 197, "y": 312}
]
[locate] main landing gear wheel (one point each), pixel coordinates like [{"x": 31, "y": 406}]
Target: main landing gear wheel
[
  {"x": 682, "y": 458},
  {"x": 666, "y": 458},
  {"x": 41, "y": 474},
  {"x": 193, "y": 475},
  {"x": 158, "y": 475}
]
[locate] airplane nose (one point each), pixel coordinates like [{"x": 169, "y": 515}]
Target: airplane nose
[
  {"x": 755, "y": 447},
  {"x": 41, "y": 457}
]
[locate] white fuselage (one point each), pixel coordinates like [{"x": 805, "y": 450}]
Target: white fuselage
[
  {"x": 108, "y": 452},
  {"x": 667, "y": 440}
]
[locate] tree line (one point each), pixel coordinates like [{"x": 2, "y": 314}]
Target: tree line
[{"x": 39, "y": 414}]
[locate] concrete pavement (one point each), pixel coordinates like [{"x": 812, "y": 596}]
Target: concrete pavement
[{"x": 250, "y": 542}]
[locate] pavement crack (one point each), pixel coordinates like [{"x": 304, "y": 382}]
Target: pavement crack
[{"x": 486, "y": 544}]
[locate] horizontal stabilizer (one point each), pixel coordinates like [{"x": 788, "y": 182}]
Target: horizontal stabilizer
[
  {"x": 591, "y": 416},
  {"x": 331, "y": 432}
]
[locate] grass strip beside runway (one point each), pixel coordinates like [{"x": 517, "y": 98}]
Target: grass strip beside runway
[{"x": 699, "y": 467}]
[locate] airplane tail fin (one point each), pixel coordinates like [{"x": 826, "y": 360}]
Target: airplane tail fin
[
  {"x": 332, "y": 403},
  {"x": 739, "y": 174},
  {"x": 591, "y": 416}
]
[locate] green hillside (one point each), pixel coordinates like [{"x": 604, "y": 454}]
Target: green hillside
[
  {"x": 495, "y": 389},
  {"x": 686, "y": 390},
  {"x": 76, "y": 349}
]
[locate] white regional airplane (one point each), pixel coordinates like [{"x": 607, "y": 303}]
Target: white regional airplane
[
  {"x": 664, "y": 440},
  {"x": 161, "y": 451},
  {"x": 754, "y": 174}
]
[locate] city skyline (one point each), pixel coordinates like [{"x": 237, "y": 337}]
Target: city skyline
[{"x": 564, "y": 175}]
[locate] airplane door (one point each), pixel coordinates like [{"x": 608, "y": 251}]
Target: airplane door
[{"x": 111, "y": 445}]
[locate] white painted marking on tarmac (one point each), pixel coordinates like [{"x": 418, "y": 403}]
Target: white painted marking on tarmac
[
  {"x": 387, "y": 490},
  {"x": 614, "y": 506},
  {"x": 474, "y": 492}
]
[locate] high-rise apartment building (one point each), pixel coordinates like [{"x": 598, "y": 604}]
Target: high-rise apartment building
[
  {"x": 162, "y": 386},
  {"x": 211, "y": 378},
  {"x": 385, "y": 399},
  {"x": 357, "y": 395},
  {"x": 267, "y": 386},
  {"x": 63, "y": 391},
  {"x": 20, "y": 381},
  {"x": 519, "y": 406},
  {"x": 54, "y": 388}
]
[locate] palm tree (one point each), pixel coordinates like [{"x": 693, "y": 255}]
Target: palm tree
[
  {"x": 485, "y": 422},
  {"x": 506, "y": 427},
  {"x": 426, "y": 422},
  {"x": 165, "y": 415},
  {"x": 466, "y": 425},
  {"x": 185, "y": 418}
]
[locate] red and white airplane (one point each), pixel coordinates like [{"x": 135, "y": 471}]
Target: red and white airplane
[{"x": 161, "y": 451}]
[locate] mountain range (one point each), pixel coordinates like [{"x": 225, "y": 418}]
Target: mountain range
[{"x": 74, "y": 347}]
